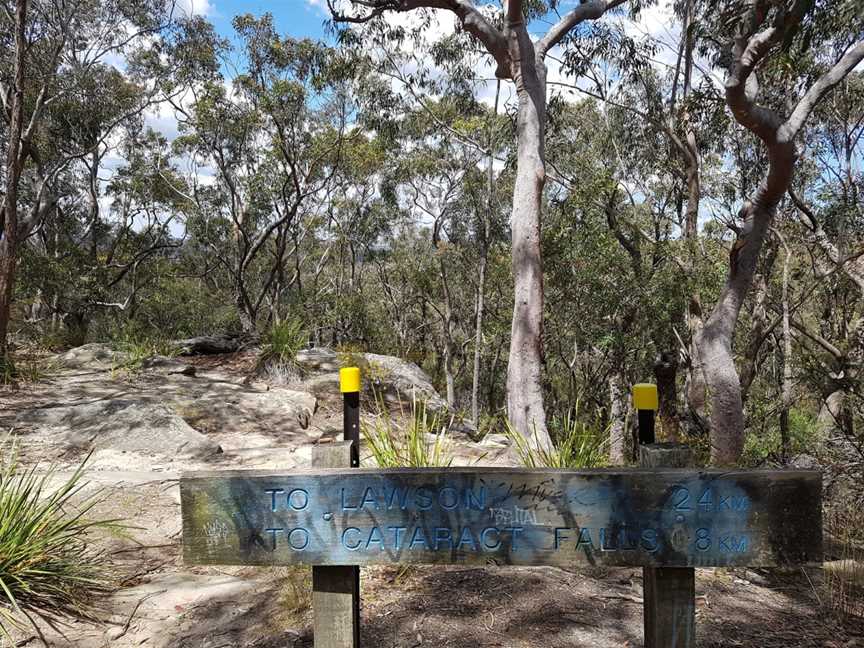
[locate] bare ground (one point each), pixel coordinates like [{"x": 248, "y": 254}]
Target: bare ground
[{"x": 160, "y": 603}]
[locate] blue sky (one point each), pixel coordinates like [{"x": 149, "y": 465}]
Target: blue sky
[{"x": 298, "y": 18}]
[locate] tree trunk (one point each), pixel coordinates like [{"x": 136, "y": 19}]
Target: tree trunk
[
  {"x": 77, "y": 324},
  {"x": 617, "y": 421},
  {"x": 481, "y": 281},
  {"x": 695, "y": 388},
  {"x": 786, "y": 395},
  {"x": 525, "y": 365},
  {"x": 666, "y": 374},
  {"x": 14, "y": 166},
  {"x": 244, "y": 311},
  {"x": 715, "y": 340}
]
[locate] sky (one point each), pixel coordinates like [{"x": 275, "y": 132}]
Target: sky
[{"x": 298, "y": 18}]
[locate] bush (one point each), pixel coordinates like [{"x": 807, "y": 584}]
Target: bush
[
  {"x": 420, "y": 442},
  {"x": 763, "y": 442},
  {"x": 575, "y": 444},
  {"x": 280, "y": 345},
  {"x": 15, "y": 371},
  {"x": 49, "y": 566},
  {"x": 844, "y": 576},
  {"x": 138, "y": 347}
]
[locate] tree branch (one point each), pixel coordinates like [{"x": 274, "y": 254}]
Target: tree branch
[
  {"x": 823, "y": 86},
  {"x": 586, "y": 11},
  {"x": 470, "y": 17}
]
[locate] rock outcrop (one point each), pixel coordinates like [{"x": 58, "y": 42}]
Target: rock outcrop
[
  {"x": 120, "y": 425},
  {"x": 390, "y": 378}
]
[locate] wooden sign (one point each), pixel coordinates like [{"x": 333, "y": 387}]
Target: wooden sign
[{"x": 663, "y": 518}]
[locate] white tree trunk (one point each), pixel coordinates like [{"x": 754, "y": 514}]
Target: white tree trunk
[{"x": 525, "y": 366}]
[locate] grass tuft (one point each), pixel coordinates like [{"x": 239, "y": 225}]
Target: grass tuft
[
  {"x": 844, "y": 576},
  {"x": 420, "y": 442},
  {"x": 50, "y": 568},
  {"x": 575, "y": 444},
  {"x": 136, "y": 349},
  {"x": 279, "y": 348},
  {"x": 23, "y": 370}
]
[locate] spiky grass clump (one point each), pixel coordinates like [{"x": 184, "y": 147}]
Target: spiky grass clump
[
  {"x": 279, "y": 348},
  {"x": 575, "y": 444},
  {"x": 420, "y": 442},
  {"x": 50, "y": 568},
  {"x": 135, "y": 349}
]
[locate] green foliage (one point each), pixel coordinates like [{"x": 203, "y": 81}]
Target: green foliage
[
  {"x": 420, "y": 441},
  {"x": 575, "y": 444},
  {"x": 282, "y": 342},
  {"x": 50, "y": 568},
  {"x": 8, "y": 371},
  {"x": 764, "y": 443},
  {"x": 23, "y": 369},
  {"x": 137, "y": 347}
]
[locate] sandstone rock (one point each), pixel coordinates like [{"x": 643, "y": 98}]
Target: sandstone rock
[
  {"x": 400, "y": 381},
  {"x": 208, "y": 345},
  {"x": 318, "y": 360},
  {"x": 393, "y": 379},
  {"x": 169, "y": 366},
  {"x": 96, "y": 356},
  {"x": 118, "y": 424},
  {"x": 805, "y": 462}
]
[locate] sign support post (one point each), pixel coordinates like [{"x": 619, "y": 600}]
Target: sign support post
[
  {"x": 336, "y": 589},
  {"x": 669, "y": 593}
]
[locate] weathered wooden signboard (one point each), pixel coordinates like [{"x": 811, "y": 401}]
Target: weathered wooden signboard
[{"x": 662, "y": 518}]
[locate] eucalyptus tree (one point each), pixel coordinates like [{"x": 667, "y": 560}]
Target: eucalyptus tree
[
  {"x": 828, "y": 204},
  {"x": 505, "y": 36},
  {"x": 431, "y": 179},
  {"x": 760, "y": 33},
  {"x": 273, "y": 136},
  {"x": 91, "y": 258},
  {"x": 52, "y": 50}
]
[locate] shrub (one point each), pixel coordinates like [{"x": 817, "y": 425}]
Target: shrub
[
  {"x": 763, "y": 442},
  {"x": 420, "y": 442},
  {"x": 14, "y": 371},
  {"x": 575, "y": 444},
  {"x": 138, "y": 347},
  {"x": 844, "y": 576},
  {"x": 281, "y": 343},
  {"x": 49, "y": 565}
]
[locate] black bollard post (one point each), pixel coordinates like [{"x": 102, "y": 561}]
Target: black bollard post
[
  {"x": 646, "y": 403},
  {"x": 349, "y": 384}
]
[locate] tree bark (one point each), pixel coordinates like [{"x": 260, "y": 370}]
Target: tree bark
[
  {"x": 525, "y": 366},
  {"x": 14, "y": 165},
  {"x": 786, "y": 388},
  {"x": 481, "y": 281},
  {"x": 617, "y": 421},
  {"x": 666, "y": 374}
]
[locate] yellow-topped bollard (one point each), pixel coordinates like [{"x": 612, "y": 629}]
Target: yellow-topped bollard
[
  {"x": 645, "y": 397},
  {"x": 349, "y": 380},
  {"x": 646, "y": 402}
]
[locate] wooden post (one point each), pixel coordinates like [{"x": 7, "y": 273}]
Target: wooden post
[
  {"x": 669, "y": 593},
  {"x": 336, "y": 589}
]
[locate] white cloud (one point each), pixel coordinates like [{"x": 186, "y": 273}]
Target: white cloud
[
  {"x": 194, "y": 7},
  {"x": 319, "y": 6}
]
